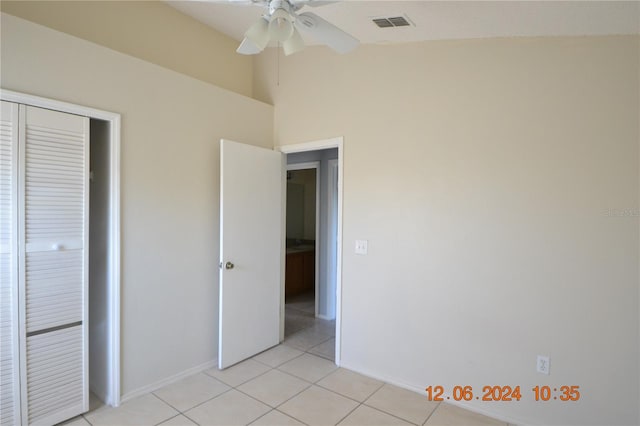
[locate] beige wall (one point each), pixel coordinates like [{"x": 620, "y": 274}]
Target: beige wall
[
  {"x": 171, "y": 125},
  {"x": 484, "y": 175},
  {"x": 149, "y": 30}
]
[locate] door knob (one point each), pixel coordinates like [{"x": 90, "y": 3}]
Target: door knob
[{"x": 228, "y": 265}]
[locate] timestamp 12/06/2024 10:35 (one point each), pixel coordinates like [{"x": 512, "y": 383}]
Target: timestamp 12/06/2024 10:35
[{"x": 545, "y": 393}]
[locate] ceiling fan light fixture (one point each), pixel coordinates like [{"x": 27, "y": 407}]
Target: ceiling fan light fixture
[
  {"x": 248, "y": 47},
  {"x": 258, "y": 34},
  {"x": 280, "y": 26},
  {"x": 293, "y": 44}
]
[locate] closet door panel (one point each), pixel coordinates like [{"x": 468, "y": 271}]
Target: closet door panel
[
  {"x": 54, "y": 209},
  {"x": 9, "y": 355},
  {"x": 54, "y": 295},
  {"x": 55, "y": 382}
]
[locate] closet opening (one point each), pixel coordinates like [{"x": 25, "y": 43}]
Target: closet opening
[{"x": 99, "y": 248}]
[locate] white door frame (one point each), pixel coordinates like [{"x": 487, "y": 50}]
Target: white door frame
[
  {"x": 336, "y": 142},
  {"x": 306, "y": 166},
  {"x": 113, "y": 398},
  {"x": 332, "y": 220}
]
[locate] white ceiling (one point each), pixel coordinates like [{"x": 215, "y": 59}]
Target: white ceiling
[{"x": 441, "y": 20}]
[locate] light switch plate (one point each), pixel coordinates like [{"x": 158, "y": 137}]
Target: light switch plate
[{"x": 361, "y": 246}]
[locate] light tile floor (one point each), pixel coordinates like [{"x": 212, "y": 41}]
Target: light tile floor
[
  {"x": 305, "y": 332},
  {"x": 295, "y": 383}
]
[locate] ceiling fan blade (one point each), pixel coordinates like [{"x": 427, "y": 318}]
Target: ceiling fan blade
[
  {"x": 312, "y": 3},
  {"x": 326, "y": 33},
  {"x": 237, "y": 2}
]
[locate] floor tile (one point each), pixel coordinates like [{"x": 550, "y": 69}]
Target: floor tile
[
  {"x": 326, "y": 350},
  {"x": 179, "y": 420},
  {"x": 303, "y": 302},
  {"x": 295, "y": 321},
  {"x": 306, "y": 307},
  {"x": 450, "y": 415},
  {"x": 317, "y": 406},
  {"x": 324, "y": 326},
  {"x": 274, "y": 387},
  {"x": 95, "y": 402},
  {"x": 239, "y": 373},
  {"x": 402, "y": 403},
  {"x": 350, "y": 384},
  {"x": 76, "y": 421},
  {"x": 306, "y": 339},
  {"x": 308, "y": 367},
  {"x": 276, "y": 418},
  {"x": 277, "y": 355},
  {"x": 230, "y": 408},
  {"x": 364, "y": 415},
  {"x": 144, "y": 410},
  {"x": 191, "y": 391}
]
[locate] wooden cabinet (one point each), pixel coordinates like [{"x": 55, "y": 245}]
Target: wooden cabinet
[{"x": 300, "y": 272}]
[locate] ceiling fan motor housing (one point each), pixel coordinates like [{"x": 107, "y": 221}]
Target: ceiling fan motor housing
[{"x": 279, "y": 23}]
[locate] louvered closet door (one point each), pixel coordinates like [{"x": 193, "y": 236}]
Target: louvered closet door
[
  {"x": 9, "y": 355},
  {"x": 54, "y": 170}
]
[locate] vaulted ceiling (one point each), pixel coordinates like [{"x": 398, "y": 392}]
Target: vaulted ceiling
[{"x": 441, "y": 20}]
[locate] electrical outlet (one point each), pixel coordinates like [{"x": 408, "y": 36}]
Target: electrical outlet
[
  {"x": 361, "y": 246},
  {"x": 543, "y": 365}
]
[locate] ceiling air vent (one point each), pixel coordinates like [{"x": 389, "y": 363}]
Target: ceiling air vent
[{"x": 395, "y": 21}]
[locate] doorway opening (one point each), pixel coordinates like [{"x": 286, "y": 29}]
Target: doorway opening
[{"x": 311, "y": 286}]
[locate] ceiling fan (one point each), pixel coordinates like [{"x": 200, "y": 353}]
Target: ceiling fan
[{"x": 281, "y": 22}]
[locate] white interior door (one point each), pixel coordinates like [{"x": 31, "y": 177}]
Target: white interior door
[{"x": 251, "y": 246}]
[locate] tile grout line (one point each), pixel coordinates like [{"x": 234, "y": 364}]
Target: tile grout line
[
  {"x": 284, "y": 414},
  {"x": 346, "y": 396},
  {"x": 162, "y": 400},
  {"x": 279, "y": 405},
  {"x": 389, "y": 414},
  {"x": 431, "y": 414},
  {"x": 190, "y": 419},
  {"x": 279, "y": 344},
  {"x": 85, "y": 419},
  {"x": 166, "y": 420},
  {"x": 268, "y": 405},
  {"x": 204, "y": 402},
  {"x": 386, "y": 412},
  {"x": 246, "y": 381},
  {"x": 349, "y": 413}
]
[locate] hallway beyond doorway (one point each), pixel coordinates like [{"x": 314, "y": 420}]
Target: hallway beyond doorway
[{"x": 305, "y": 332}]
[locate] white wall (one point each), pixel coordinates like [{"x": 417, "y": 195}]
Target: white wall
[
  {"x": 481, "y": 172},
  {"x": 171, "y": 126}
]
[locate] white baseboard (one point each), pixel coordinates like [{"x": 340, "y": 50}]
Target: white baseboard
[
  {"x": 161, "y": 383},
  {"x": 324, "y": 317}
]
